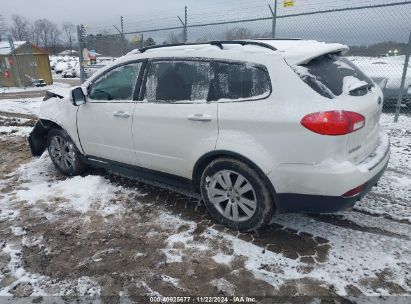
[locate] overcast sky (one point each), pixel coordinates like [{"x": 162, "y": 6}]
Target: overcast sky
[
  {"x": 148, "y": 14},
  {"x": 83, "y": 11},
  {"x": 102, "y": 12}
]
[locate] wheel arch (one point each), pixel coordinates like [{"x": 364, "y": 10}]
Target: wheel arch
[
  {"x": 49, "y": 124},
  {"x": 38, "y": 137},
  {"x": 207, "y": 158}
]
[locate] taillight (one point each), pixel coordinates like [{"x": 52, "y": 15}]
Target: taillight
[
  {"x": 333, "y": 122},
  {"x": 354, "y": 192}
]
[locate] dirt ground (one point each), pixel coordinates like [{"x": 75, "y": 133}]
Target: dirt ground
[{"x": 105, "y": 235}]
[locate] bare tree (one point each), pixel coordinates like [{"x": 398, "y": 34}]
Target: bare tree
[
  {"x": 174, "y": 38},
  {"x": 69, "y": 29},
  {"x": 55, "y": 34},
  {"x": 42, "y": 28},
  {"x": 3, "y": 29},
  {"x": 36, "y": 30},
  {"x": 46, "y": 34},
  {"x": 20, "y": 28},
  {"x": 238, "y": 33}
]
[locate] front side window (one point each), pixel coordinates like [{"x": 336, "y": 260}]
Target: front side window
[
  {"x": 116, "y": 84},
  {"x": 240, "y": 81},
  {"x": 174, "y": 81}
]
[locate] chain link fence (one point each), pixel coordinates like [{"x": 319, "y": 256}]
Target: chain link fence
[{"x": 378, "y": 36}]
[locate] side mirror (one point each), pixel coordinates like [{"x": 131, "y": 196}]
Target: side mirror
[{"x": 78, "y": 96}]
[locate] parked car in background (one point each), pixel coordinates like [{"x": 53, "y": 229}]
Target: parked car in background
[
  {"x": 71, "y": 72},
  {"x": 39, "y": 83},
  {"x": 386, "y": 72},
  {"x": 256, "y": 127},
  {"x": 61, "y": 66}
]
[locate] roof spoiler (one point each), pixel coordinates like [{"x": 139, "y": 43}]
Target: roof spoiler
[{"x": 305, "y": 55}]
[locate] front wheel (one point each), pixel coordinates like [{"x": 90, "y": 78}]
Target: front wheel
[
  {"x": 236, "y": 195},
  {"x": 64, "y": 153}
]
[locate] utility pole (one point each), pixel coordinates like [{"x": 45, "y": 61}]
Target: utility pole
[
  {"x": 404, "y": 75},
  {"x": 274, "y": 20},
  {"x": 184, "y": 23},
  {"x": 121, "y": 32},
  {"x": 17, "y": 67},
  {"x": 142, "y": 40},
  {"x": 123, "y": 44}
]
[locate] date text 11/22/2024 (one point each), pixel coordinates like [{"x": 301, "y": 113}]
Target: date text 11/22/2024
[{"x": 202, "y": 299}]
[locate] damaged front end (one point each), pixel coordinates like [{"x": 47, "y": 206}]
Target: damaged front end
[{"x": 38, "y": 137}]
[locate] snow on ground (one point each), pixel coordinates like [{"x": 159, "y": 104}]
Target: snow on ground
[
  {"x": 102, "y": 235},
  {"x": 33, "y": 89},
  {"x": 82, "y": 286},
  {"x": 62, "y": 64},
  {"x": 397, "y": 178},
  {"x": 80, "y": 193},
  {"x": 15, "y": 131},
  {"x": 22, "y": 106},
  {"x": 356, "y": 256}
]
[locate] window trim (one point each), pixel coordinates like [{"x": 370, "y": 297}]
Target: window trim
[
  {"x": 212, "y": 62},
  {"x": 257, "y": 65},
  {"x": 137, "y": 84}
]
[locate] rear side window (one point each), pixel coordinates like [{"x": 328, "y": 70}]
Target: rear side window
[
  {"x": 174, "y": 81},
  {"x": 240, "y": 81},
  {"x": 332, "y": 75}
]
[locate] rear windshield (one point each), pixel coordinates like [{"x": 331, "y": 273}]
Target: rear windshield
[{"x": 332, "y": 75}]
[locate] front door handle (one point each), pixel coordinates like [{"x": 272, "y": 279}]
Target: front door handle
[
  {"x": 199, "y": 117},
  {"x": 121, "y": 114}
]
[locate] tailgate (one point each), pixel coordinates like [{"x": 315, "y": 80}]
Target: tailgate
[
  {"x": 346, "y": 87},
  {"x": 364, "y": 141}
]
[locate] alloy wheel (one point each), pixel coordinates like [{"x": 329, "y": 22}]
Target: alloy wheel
[
  {"x": 62, "y": 152},
  {"x": 232, "y": 195}
]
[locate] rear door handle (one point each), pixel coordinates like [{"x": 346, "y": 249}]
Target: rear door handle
[
  {"x": 121, "y": 114},
  {"x": 199, "y": 117}
]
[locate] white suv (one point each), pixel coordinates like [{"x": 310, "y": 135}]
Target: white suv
[{"x": 257, "y": 127}]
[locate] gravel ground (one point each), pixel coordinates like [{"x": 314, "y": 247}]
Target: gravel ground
[{"x": 103, "y": 235}]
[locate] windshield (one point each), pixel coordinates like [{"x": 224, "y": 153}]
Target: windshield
[{"x": 332, "y": 75}]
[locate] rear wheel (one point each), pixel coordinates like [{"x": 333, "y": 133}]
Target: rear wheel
[
  {"x": 235, "y": 195},
  {"x": 64, "y": 153}
]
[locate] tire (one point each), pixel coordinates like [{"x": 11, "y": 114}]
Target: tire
[
  {"x": 245, "y": 205},
  {"x": 64, "y": 153}
]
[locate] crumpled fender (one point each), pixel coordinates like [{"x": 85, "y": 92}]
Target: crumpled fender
[{"x": 38, "y": 138}]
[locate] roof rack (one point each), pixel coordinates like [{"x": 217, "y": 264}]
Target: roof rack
[
  {"x": 276, "y": 39},
  {"x": 218, "y": 43}
]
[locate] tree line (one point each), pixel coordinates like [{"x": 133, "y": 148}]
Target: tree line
[
  {"x": 41, "y": 32},
  {"x": 55, "y": 38}
]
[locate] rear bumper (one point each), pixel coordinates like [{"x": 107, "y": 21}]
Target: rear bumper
[
  {"x": 320, "y": 188},
  {"x": 291, "y": 202}
]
